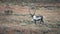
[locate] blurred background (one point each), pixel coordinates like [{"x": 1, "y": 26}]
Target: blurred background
[{"x": 15, "y": 18}]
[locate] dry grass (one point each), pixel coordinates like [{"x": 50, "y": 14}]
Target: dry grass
[{"x": 20, "y": 22}]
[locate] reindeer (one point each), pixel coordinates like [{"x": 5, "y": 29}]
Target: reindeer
[{"x": 36, "y": 18}]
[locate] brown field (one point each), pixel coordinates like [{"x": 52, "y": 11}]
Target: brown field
[{"x": 20, "y": 22}]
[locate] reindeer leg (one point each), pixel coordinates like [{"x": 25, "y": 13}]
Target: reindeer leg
[
  {"x": 35, "y": 21},
  {"x": 40, "y": 21}
]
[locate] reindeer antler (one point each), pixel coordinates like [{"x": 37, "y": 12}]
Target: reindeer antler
[{"x": 32, "y": 7}]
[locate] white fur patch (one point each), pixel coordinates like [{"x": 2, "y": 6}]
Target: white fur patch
[{"x": 36, "y": 18}]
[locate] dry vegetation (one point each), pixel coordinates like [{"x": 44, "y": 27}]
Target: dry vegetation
[{"x": 20, "y": 22}]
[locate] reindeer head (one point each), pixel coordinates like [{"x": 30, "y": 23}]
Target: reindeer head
[{"x": 31, "y": 15}]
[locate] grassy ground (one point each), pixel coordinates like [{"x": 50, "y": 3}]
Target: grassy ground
[
  {"x": 17, "y": 23},
  {"x": 22, "y": 24}
]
